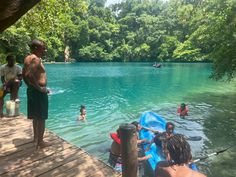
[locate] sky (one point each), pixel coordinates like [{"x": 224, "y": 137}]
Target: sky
[{"x": 109, "y": 2}]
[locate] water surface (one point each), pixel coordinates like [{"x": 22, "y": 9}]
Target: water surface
[{"x": 116, "y": 93}]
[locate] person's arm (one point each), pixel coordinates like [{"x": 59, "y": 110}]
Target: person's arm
[
  {"x": 152, "y": 130},
  {"x": 29, "y": 76},
  {"x": 2, "y": 75},
  {"x": 144, "y": 157},
  {"x": 149, "y": 146},
  {"x": 142, "y": 141},
  {"x": 19, "y": 73},
  {"x": 3, "y": 80}
]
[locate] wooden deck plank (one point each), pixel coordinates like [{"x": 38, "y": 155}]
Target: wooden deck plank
[
  {"x": 49, "y": 162},
  {"x": 19, "y": 156},
  {"x": 66, "y": 167},
  {"x": 18, "y": 140},
  {"x": 24, "y": 152}
]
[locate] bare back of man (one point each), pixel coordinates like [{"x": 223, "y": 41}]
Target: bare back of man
[{"x": 166, "y": 170}]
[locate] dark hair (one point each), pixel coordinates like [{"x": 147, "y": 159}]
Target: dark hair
[
  {"x": 34, "y": 44},
  {"x": 135, "y": 123},
  {"x": 118, "y": 132},
  {"x": 82, "y": 107},
  {"x": 183, "y": 105},
  {"x": 170, "y": 123},
  {"x": 9, "y": 57},
  {"x": 179, "y": 149}
]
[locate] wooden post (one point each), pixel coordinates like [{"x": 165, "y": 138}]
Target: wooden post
[{"x": 129, "y": 152}]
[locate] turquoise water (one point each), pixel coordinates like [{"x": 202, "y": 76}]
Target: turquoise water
[{"x": 116, "y": 93}]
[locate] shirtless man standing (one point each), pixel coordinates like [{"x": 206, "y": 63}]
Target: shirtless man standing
[
  {"x": 34, "y": 76},
  {"x": 179, "y": 157}
]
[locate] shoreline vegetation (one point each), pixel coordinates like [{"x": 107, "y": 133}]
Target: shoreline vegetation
[
  {"x": 135, "y": 31},
  {"x": 151, "y": 62}
]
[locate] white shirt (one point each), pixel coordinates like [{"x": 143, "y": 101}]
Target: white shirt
[{"x": 10, "y": 72}]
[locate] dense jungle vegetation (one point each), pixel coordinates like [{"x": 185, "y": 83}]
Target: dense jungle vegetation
[{"x": 133, "y": 30}]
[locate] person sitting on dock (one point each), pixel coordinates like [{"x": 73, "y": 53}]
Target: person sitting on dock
[
  {"x": 183, "y": 110},
  {"x": 11, "y": 76},
  {"x": 161, "y": 138},
  {"x": 178, "y": 159},
  {"x": 82, "y": 113}
]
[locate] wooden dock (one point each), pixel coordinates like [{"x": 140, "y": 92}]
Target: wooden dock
[{"x": 19, "y": 157}]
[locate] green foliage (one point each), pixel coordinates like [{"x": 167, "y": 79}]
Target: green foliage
[
  {"x": 186, "y": 52},
  {"x": 167, "y": 48},
  {"x": 133, "y": 30}
]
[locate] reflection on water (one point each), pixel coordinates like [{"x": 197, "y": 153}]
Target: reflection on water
[{"x": 114, "y": 93}]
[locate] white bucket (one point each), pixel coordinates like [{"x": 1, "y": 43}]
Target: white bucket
[{"x": 13, "y": 108}]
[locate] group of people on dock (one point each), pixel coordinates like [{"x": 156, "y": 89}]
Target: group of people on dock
[
  {"x": 175, "y": 150},
  {"x": 34, "y": 76}
]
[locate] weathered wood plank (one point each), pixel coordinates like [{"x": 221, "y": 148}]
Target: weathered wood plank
[
  {"x": 19, "y": 156},
  {"x": 44, "y": 164},
  {"x": 34, "y": 157}
]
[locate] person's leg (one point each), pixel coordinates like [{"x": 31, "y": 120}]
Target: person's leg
[
  {"x": 35, "y": 130},
  {"x": 14, "y": 89},
  {"x": 2, "y": 103},
  {"x": 41, "y": 130}
]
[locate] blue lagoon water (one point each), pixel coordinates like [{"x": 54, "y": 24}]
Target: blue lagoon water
[{"x": 116, "y": 93}]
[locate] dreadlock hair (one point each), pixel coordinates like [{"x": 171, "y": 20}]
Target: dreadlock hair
[{"x": 179, "y": 149}]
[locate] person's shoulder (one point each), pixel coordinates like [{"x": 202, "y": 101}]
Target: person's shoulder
[
  {"x": 198, "y": 174},
  {"x": 18, "y": 66},
  {"x": 3, "y": 65}
]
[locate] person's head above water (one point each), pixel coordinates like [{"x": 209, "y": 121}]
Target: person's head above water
[
  {"x": 183, "y": 106},
  {"x": 82, "y": 110},
  {"x": 137, "y": 125},
  {"x": 179, "y": 150},
  {"x": 170, "y": 127}
]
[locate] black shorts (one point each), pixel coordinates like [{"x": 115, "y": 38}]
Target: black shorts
[{"x": 37, "y": 104}]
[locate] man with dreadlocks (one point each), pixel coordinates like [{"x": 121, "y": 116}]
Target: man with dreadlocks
[{"x": 178, "y": 159}]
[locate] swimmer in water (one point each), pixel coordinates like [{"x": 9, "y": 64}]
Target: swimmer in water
[{"x": 82, "y": 115}]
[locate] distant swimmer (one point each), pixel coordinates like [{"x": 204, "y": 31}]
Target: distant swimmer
[
  {"x": 183, "y": 110},
  {"x": 82, "y": 115}
]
